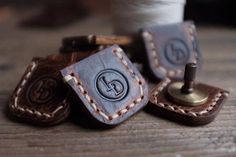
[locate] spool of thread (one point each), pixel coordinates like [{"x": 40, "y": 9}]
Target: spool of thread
[{"x": 131, "y": 15}]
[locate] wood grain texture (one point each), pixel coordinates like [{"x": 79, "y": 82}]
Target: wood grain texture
[{"x": 143, "y": 134}]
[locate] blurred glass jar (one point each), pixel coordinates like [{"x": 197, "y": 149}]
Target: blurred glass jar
[{"x": 131, "y": 15}]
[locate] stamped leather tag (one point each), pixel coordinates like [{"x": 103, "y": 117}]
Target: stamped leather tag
[
  {"x": 110, "y": 87},
  {"x": 191, "y": 115},
  {"x": 41, "y": 96},
  {"x": 170, "y": 47}
]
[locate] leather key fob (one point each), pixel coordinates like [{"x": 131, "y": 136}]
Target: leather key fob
[
  {"x": 109, "y": 86},
  {"x": 195, "y": 115},
  {"x": 187, "y": 101},
  {"x": 170, "y": 47},
  {"x": 41, "y": 96}
]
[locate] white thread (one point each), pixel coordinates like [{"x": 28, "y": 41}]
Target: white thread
[
  {"x": 33, "y": 67},
  {"x": 123, "y": 111},
  {"x": 161, "y": 104},
  {"x": 30, "y": 111},
  {"x": 163, "y": 70},
  {"x": 226, "y": 94},
  {"x": 23, "y": 83},
  {"x": 171, "y": 73},
  {"x": 210, "y": 108},
  {"x": 119, "y": 55},
  {"x": 88, "y": 98},
  {"x": 76, "y": 81},
  {"x": 181, "y": 110},
  {"x": 193, "y": 114},
  {"x": 213, "y": 103},
  {"x": 67, "y": 78},
  {"x": 18, "y": 91},
  {"x": 131, "y": 71},
  {"x": 152, "y": 46},
  {"x": 136, "y": 78},
  {"x": 81, "y": 88},
  {"x": 141, "y": 90},
  {"x": 120, "y": 51},
  {"x": 28, "y": 74},
  {"x": 218, "y": 95},
  {"x": 131, "y": 105},
  {"x": 143, "y": 13},
  {"x": 172, "y": 108},
  {"x": 38, "y": 113},
  {"x": 103, "y": 114},
  {"x": 115, "y": 116},
  {"x": 94, "y": 106},
  {"x": 125, "y": 63},
  {"x": 46, "y": 115},
  {"x": 16, "y": 101},
  {"x": 138, "y": 100},
  {"x": 56, "y": 110},
  {"x": 22, "y": 109}
]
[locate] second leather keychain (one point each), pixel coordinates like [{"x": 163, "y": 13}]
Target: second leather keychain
[{"x": 187, "y": 101}]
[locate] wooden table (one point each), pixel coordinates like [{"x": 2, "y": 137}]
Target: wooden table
[{"x": 142, "y": 135}]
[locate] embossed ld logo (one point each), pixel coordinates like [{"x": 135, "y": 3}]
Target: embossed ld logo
[
  {"x": 111, "y": 85},
  {"x": 176, "y": 52},
  {"x": 42, "y": 90}
]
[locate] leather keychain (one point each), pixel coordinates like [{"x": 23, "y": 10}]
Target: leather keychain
[
  {"x": 109, "y": 86},
  {"x": 170, "y": 47},
  {"x": 41, "y": 96},
  {"x": 187, "y": 101}
]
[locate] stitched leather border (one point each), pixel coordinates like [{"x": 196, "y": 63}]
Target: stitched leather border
[
  {"x": 15, "y": 106},
  {"x": 210, "y": 107},
  {"x": 91, "y": 101}
]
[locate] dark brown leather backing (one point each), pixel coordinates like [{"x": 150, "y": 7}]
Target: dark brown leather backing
[
  {"x": 170, "y": 47},
  {"x": 110, "y": 87},
  {"x": 198, "y": 115},
  {"x": 97, "y": 40},
  {"x": 93, "y": 42},
  {"x": 41, "y": 96}
]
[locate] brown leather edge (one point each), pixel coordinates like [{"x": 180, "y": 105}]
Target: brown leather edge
[{"x": 186, "y": 117}]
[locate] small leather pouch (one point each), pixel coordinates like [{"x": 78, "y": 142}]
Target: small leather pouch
[
  {"x": 109, "y": 86},
  {"x": 170, "y": 47},
  {"x": 41, "y": 96},
  {"x": 162, "y": 106}
]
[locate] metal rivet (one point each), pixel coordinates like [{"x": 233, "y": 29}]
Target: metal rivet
[{"x": 185, "y": 93}]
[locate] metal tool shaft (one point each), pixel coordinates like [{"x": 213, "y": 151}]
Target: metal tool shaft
[{"x": 189, "y": 78}]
